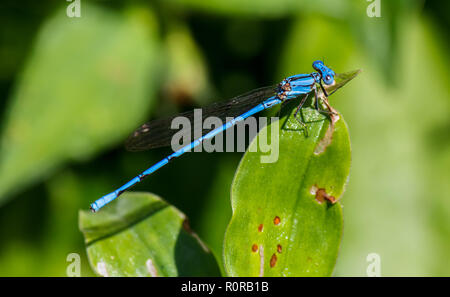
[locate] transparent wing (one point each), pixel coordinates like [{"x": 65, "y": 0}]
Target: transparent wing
[{"x": 158, "y": 133}]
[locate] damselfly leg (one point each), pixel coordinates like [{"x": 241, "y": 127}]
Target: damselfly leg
[{"x": 299, "y": 119}]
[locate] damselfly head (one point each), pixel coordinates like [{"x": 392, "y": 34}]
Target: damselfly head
[{"x": 326, "y": 73}]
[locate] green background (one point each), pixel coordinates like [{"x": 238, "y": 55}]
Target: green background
[{"x": 72, "y": 89}]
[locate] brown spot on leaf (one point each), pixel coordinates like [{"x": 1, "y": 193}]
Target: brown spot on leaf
[
  {"x": 260, "y": 227},
  {"x": 279, "y": 248},
  {"x": 254, "y": 248},
  {"x": 273, "y": 260},
  {"x": 321, "y": 196},
  {"x": 187, "y": 226},
  {"x": 276, "y": 220}
]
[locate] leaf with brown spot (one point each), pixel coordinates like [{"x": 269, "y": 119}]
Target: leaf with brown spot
[{"x": 309, "y": 232}]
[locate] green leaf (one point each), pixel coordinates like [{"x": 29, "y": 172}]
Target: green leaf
[
  {"x": 87, "y": 84},
  {"x": 142, "y": 235},
  {"x": 187, "y": 74},
  {"x": 281, "y": 224}
]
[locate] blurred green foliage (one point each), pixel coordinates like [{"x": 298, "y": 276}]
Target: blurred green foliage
[
  {"x": 107, "y": 63},
  {"x": 72, "y": 89}
]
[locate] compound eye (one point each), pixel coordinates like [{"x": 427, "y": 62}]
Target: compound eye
[{"x": 328, "y": 80}]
